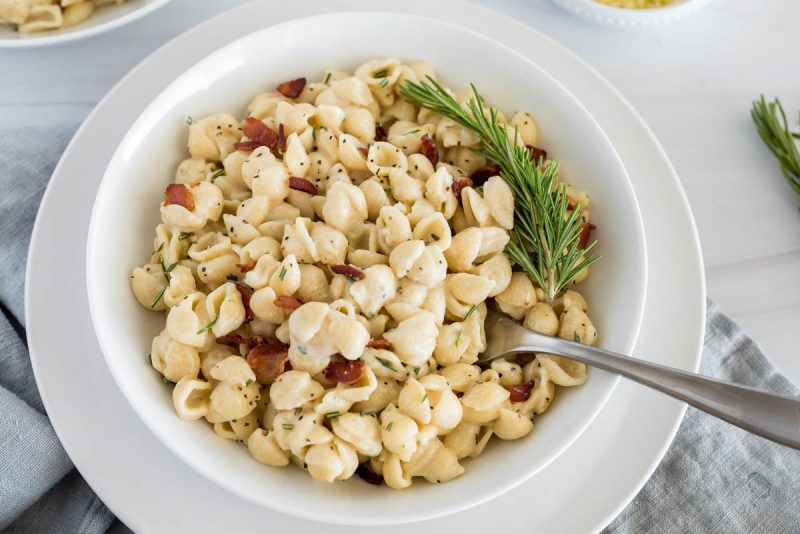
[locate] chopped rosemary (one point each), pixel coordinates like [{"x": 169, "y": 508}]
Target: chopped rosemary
[
  {"x": 458, "y": 337},
  {"x": 332, "y": 415},
  {"x": 384, "y": 82},
  {"x": 416, "y": 370},
  {"x": 546, "y": 234},
  {"x": 166, "y": 270},
  {"x": 386, "y": 364},
  {"x": 282, "y": 274},
  {"x": 150, "y": 358},
  {"x": 302, "y": 350},
  {"x": 158, "y": 297},
  {"x": 160, "y": 248},
  {"x": 327, "y": 78},
  {"x": 184, "y": 236},
  {"x": 248, "y": 382},
  {"x": 383, "y": 73},
  {"x": 471, "y": 311},
  {"x": 207, "y": 327},
  {"x": 576, "y": 337},
  {"x": 189, "y": 120},
  {"x": 216, "y": 175},
  {"x": 287, "y": 426},
  {"x": 424, "y": 398},
  {"x": 415, "y": 130},
  {"x": 389, "y": 427}
]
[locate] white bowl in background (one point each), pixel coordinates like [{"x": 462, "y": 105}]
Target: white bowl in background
[
  {"x": 621, "y": 17},
  {"x": 126, "y": 212},
  {"x": 103, "y": 19}
]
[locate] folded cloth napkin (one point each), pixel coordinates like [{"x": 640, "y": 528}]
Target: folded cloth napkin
[{"x": 714, "y": 478}]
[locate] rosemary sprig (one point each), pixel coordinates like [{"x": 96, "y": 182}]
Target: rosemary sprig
[
  {"x": 772, "y": 126},
  {"x": 545, "y": 238}
]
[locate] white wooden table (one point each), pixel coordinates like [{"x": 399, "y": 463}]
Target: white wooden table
[{"x": 692, "y": 80}]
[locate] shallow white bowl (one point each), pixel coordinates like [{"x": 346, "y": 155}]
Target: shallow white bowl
[
  {"x": 620, "y": 17},
  {"x": 126, "y": 212},
  {"x": 103, "y": 19}
]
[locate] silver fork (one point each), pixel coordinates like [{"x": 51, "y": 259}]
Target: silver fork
[{"x": 775, "y": 417}]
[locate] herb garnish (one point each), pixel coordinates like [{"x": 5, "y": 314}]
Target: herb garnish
[
  {"x": 332, "y": 415},
  {"x": 207, "y": 327},
  {"x": 158, "y": 297},
  {"x": 232, "y": 278},
  {"x": 471, "y": 311},
  {"x": 384, "y": 82},
  {"x": 576, "y": 337},
  {"x": 386, "y": 364},
  {"x": 189, "y": 120},
  {"x": 287, "y": 426},
  {"x": 458, "y": 337},
  {"x": 389, "y": 427},
  {"x": 546, "y": 234},
  {"x": 772, "y": 126},
  {"x": 216, "y": 175},
  {"x": 327, "y": 78},
  {"x": 282, "y": 274},
  {"x": 416, "y": 370},
  {"x": 302, "y": 350},
  {"x": 184, "y": 236},
  {"x": 248, "y": 382},
  {"x": 383, "y": 73},
  {"x": 424, "y": 398}
]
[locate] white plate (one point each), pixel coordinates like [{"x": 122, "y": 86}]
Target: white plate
[
  {"x": 125, "y": 212},
  {"x": 152, "y": 491},
  {"x": 103, "y": 19}
]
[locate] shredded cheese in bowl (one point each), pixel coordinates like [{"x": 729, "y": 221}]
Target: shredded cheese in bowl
[{"x": 637, "y": 4}]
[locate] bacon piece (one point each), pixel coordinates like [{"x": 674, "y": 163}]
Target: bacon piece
[
  {"x": 259, "y": 132},
  {"x": 301, "y": 184},
  {"x": 586, "y": 233},
  {"x": 366, "y": 474},
  {"x": 459, "y": 184},
  {"x": 288, "y": 302},
  {"x": 429, "y": 149},
  {"x": 520, "y": 392},
  {"x": 479, "y": 177},
  {"x": 245, "y": 293},
  {"x": 268, "y": 361},
  {"x": 536, "y": 153},
  {"x": 236, "y": 339},
  {"x": 380, "y": 133},
  {"x": 281, "y": 138},
  {"x": 246, "y": 146},
  {"x": 179, "y": 194},
  {"x": 379, "y": 344},
  {"x": 346, "y": 372},
  {"x": 246, "y": 267},
  {"x": 353, "y": 273},
  {"x": 292, "y": 88}
]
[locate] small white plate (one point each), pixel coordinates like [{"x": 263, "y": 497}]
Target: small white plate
[
  {"x": 615, "y": 16},
  {"x": 103, "y": 19},
  {"x": 152, "y": 491}
]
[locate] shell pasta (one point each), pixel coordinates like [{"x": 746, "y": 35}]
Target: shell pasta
[
  {"x": 325, "y": 266},
  {"x": 33, "y": 16}
]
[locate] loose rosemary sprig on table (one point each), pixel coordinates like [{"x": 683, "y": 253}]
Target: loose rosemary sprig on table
[
  {"x": 772, "y": 126},
  {"x": 544, "y": 240}
]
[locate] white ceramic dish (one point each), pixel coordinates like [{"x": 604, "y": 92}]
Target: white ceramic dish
[
  {"x": 614, "y": 16},
  {"x": 103, "y": 19},
  {"x": 126, "y": 212},
  {"x": 150, "y": 490}
]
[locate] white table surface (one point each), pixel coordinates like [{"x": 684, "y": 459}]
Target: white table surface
[{"x": 692, "y": 80}]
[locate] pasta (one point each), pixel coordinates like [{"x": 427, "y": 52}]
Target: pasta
[
  {"x": 325, "y": 288},
  {"x": 32, "y": 16}
]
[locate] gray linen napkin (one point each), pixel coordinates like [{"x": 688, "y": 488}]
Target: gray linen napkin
[{"x": 714, "y": 478}]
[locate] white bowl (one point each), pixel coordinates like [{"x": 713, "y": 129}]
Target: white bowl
[
  {"x": 103, "y": 19},
  {"x": 615, "y": 16},
  {"x": 126, "y": 212}
]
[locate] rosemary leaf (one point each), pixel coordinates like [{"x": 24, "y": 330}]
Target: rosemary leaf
[{"x": 771, "y": 124}]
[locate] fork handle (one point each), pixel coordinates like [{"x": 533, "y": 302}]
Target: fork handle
[{"x": 775, "y": 417}]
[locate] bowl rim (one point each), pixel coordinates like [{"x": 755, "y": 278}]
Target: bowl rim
[
  {"x": 613, "y": 15},
  {"x": 299, "y": 510},
  {"x": 59, "y": 36}
]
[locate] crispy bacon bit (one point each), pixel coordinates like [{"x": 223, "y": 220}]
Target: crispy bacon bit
[
  {"x": 301, "y": 184},
  {"x": 292, "y": 88},
  {"x": 179, "y": 194},
  {"x": 245, "y": 293},
  {"x": 353, "y": 273},
  {"x": 459, "y": 184},
  {"x": 288, "y": 302},
  {"x": 259, "y": 132},
  {"x": 268, "y": 361},
  {"x": 479, "y": 177},
  {"x": 346, "y": 372},
  {"x": 281, "y": 138},
  {"x": 586, "y": 233},
  {"x": 246, "y": 146},
  {"x": 366, "y": 474},
  {"x": 236, "y": 339},
  {"x": 429, "y": 149},
  {"x": 520, "y": 392},
  {"x": 379, "y": 344},
  {"x": 380, "y": 133},
  {"x": 246, "y": 267},
  {"x": 537, "y": 153}
]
